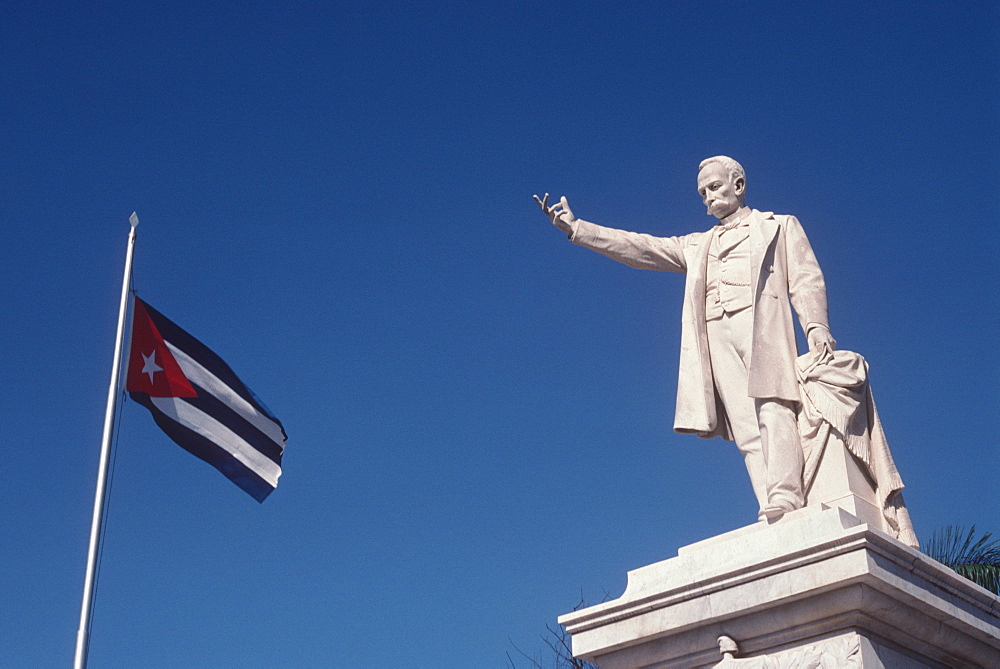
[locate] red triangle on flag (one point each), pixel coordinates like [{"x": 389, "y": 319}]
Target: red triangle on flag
[{"x": 152, "y": 369}]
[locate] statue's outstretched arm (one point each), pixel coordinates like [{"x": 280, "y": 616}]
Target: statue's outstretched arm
[{"x": 631, "y": 248}]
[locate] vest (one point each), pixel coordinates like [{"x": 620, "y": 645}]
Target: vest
[{"x": 727, "y": 280}]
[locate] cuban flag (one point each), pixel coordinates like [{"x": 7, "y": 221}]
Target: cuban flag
[{"x": 201, "y": 404}]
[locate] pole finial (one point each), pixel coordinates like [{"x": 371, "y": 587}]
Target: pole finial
[{"x": 134, "y": 219}]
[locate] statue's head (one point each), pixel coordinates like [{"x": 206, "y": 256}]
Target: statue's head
[{"x": 722, "y": 185}]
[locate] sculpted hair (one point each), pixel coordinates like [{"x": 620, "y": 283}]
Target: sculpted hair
[{"x": 734, "y": 168}]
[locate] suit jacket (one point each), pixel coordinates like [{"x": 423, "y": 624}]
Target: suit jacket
[{"x": 783, "y": 267}]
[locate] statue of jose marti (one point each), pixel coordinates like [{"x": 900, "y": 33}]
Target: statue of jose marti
[{"x": 737, "y": 375}]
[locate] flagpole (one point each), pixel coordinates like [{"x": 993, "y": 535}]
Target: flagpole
[{"x": 83, "y": 635}]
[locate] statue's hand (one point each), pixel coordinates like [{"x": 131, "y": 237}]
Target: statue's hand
[
  {"x": 559, "y": 213},
  {"x": 820, "y": 339}
]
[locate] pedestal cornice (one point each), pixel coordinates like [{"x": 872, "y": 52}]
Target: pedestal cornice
[{"x": 811, "y": 576}]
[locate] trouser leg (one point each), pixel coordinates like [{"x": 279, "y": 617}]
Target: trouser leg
[
  {"x": 765, "y": 430},
  {"x": 729, "y": 371},
  {"x": 779, "y": 436}
]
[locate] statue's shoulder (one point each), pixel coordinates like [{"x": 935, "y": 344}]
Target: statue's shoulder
[
  {"x": 695, "y": 238},
  {"x": 780, "y": 218},
  {"x": 767, "y": 220}
]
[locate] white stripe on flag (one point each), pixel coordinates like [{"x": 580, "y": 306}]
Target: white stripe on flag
[
  {"x": 214, "y": 431},
  {"x": 200, "y": 376}
]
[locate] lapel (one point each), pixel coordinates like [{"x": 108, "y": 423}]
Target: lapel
[
  {"x": 763, "y": 230},
  {"x": 699, "y": 277}
]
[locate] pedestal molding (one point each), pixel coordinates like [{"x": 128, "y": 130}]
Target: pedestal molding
[{"x": 788, "y": 585}]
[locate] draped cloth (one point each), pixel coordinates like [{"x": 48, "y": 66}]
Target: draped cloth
[{"x": 837, "y": 406}]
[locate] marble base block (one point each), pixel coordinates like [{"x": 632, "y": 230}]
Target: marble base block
[{"x": 819, "y": 588}]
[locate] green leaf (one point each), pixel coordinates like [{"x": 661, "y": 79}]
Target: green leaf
[{"x": 975, "y": 558}]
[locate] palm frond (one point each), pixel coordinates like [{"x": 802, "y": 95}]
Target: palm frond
[{"x": 975, "y": 558}]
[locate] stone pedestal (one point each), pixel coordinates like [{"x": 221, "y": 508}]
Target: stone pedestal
[
  {"x": 842, "y": 481},
  {"x": 819, "y": 588}
]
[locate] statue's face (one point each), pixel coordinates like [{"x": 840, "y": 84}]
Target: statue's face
[{"x": 720, "y": 193}]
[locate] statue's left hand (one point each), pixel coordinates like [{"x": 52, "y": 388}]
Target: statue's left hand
[{"x": 820, "y": 339}]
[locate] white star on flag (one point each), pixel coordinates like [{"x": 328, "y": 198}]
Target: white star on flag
[{"x": 149, "y": 365}]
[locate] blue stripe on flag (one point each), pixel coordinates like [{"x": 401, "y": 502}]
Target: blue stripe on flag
[
  {"x": 235, "y": 422},
  {"x": 209, "y": 451}
]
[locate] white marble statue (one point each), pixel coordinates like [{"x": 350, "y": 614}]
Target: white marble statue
[{"x": 737, "y": 374}]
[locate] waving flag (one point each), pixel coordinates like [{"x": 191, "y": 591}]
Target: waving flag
[{"x": 201, "y": 404}]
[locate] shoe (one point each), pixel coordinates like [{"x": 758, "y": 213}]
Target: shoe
[
  {"x": 776, "y": 510},
  {"x": 773, "y": 513}
]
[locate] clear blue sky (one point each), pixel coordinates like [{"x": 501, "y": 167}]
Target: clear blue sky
[{"x": 337, "y": 199}]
